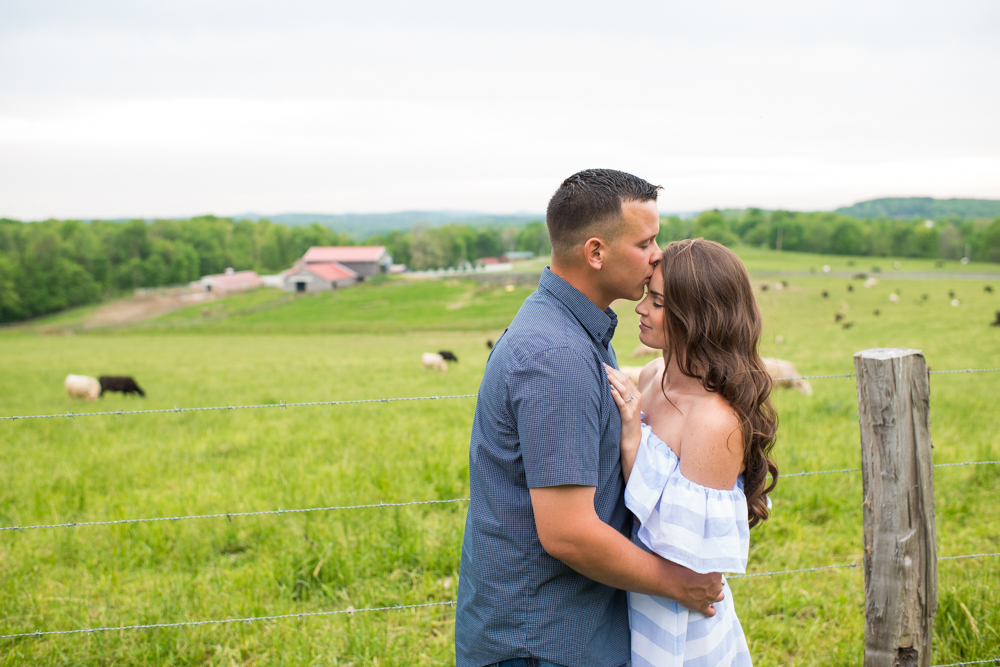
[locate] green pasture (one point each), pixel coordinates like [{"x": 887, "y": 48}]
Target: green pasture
[{"x": 264, "y": 348}]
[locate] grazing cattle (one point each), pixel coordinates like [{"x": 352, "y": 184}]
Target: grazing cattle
[
  {"x": 847, "y": 325},
  {"x": 951, "y": 294},
  {"x": 489, "y": 344},
  {"x": 123, "y": 383},
  {"x": 996, "y": 322},
  {"x": 988, "y": 289},
  {"x": 871, "y": 282},
  {"x": 763, "y": 288},
  {"x": 894, "y": 298},
  {"x": 850, "y": 288},
  {"x": 448, "y": 355},
  {"x": 826, "y": 295},
  {"x": 838, "y": 316},
  {"x": 82, "y": 386},
  {"x": 780, "y": 370},
  {"x": 877, "y": 312},
  {"x": 434, "y": 361},
  {"x": 644, "y": 351}
]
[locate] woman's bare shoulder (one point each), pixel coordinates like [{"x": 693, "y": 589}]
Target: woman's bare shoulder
[
  {"x": 712, "y": 444},
  {"x": 651, "y": 374}
]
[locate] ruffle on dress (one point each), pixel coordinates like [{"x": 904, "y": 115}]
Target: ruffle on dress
[{"x": 703, "y": 529}]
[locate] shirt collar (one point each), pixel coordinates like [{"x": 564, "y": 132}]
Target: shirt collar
[{"x": 600, "y": 324}]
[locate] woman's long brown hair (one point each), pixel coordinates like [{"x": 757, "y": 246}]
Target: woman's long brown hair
[{"x": 713, "y": 328}]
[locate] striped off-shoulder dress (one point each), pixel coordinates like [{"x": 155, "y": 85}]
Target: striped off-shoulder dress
[{"x": 700, "y": 528}]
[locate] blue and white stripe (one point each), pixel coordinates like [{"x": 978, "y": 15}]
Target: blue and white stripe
[{"x": 700, "y": 528}]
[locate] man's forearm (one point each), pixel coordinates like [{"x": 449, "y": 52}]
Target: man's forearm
[{"x": 604, "y": 555}]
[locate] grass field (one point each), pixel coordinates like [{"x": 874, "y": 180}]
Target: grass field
[{"x": 366, "y": 343}]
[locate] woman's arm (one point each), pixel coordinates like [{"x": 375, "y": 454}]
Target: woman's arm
[{"x": 629, "y": 401}]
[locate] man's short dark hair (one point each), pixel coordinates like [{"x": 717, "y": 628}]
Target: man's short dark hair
[{"x": 589, "y": 203}]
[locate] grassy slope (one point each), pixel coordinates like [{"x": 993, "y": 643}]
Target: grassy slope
[
  {"x": 98, "y": 468},
  {"x": 397, "y": 305}
]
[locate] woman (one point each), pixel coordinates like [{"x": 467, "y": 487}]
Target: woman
[{"x": 696, "y": 463}]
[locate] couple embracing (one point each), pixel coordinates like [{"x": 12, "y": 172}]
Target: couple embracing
[{"x": 602, "y": 513}]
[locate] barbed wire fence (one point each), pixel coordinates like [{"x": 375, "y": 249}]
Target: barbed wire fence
[
  {"x": 385, "y": 505},
  {"x": 282, "y": 405}
]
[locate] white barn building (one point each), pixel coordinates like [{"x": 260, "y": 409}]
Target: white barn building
[{"x": 365, "y": 261}]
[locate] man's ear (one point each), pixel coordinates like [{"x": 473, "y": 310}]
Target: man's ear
[{"x": 595, "y": 253}]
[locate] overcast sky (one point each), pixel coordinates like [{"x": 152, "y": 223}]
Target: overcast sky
[{"x": 175, "y": 108}]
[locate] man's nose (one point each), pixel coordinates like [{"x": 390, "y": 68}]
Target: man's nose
[{"x": 657, "y": 255}]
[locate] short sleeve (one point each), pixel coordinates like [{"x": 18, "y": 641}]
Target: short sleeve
[
  {"x": 556, "y": 396},
  {"x": 701, "y": 528}
]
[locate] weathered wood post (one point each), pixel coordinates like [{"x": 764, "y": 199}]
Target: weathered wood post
[{"x": 898, "y": 477}]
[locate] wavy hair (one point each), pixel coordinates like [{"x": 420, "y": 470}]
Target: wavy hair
[{"x": 713, "y": 328}]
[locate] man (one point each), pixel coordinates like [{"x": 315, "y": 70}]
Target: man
[{"x": 546, "y": 557}]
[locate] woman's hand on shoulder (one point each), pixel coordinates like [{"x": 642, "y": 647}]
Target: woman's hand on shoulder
[
  {"x": 712, "y": 445},
  {"x": 627, "y": 397},
  {"x": 629, "y": 401}
]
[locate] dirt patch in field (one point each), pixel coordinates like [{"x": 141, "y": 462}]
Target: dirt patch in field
[{"x": 143, "y": 306}]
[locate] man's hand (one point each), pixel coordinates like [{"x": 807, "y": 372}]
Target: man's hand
[{"x": 570, "y": 530}]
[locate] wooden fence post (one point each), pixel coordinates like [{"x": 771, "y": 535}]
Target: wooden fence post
[{"x": 900, "y": 536}]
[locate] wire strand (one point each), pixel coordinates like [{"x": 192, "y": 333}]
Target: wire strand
[
  {"x": 119, "y": 413},
  {"x": 251, "y": 619},
  {"x": 248, "y": 619},
  {"x": 279, "y": 404},
  {"x": 841, "y": 470},
  {"x": 230, "y": 515}
]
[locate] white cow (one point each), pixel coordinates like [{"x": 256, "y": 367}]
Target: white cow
[
  {"x": 82, "y": 386},
  {"x": 632, "y": 372},
  {"x": 779, "y": 368},
  {"x": 434, "y": 361}
]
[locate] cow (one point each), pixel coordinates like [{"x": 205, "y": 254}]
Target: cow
[
  {"x": 82, "y": 386},
  {"x": 448, "y": 355},
  {"x": 123, "y": 383},
  {"x": 489, "y": 344},
  {"x": 780, "y": 370},
  {"x": 996, "y": 322},
  {"x": 434, "y": 361}
]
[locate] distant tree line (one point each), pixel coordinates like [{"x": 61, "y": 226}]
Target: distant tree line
[
  {"x": 835, "y": 234},
  {"x": 435, "y": 247},
  {"x": 56, "y": 264}
]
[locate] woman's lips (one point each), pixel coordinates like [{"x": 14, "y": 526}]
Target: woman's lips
[{"x": 644, "y": 326}]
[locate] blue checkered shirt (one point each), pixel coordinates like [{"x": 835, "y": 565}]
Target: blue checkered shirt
[{"x": 544, "y": 417}]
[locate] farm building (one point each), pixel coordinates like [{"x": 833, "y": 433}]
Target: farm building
[
  {"x": 365, "y": 261},
  {"x": 230, "y": 281},
  {"x": 318, "y": 277}
]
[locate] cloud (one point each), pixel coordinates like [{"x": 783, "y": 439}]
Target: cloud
[{"x": 282, "y": 107}]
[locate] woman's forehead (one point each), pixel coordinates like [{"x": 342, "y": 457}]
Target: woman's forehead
[{"x": 656, "y": 281}]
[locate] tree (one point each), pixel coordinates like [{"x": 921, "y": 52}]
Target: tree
[
  {"x": 712, "y": 226},
  {"x": 534, "y": 237},
  {"x": 989, "y": 242}
]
